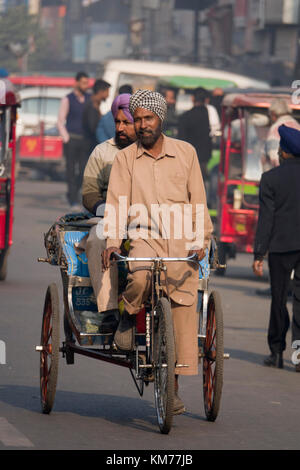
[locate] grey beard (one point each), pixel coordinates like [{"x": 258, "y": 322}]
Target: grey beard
[{"x": 149, "y": 140}]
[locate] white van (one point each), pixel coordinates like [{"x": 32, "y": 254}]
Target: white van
[
  {"x": 146, "y": 74},
  {"x": 39, "y": 105},
  {"x": 39, "y": 145}
]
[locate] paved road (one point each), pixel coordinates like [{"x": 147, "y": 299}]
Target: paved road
[{"x": 97, "y": 405}]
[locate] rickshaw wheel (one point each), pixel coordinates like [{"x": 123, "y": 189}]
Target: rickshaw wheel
[
  {"x": 213, "y": 357},
  {"x": 164, "y": 365},
  {"x": 50, "y": 349}
]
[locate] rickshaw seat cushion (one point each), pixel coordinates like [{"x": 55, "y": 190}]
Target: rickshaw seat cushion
[{"x": 77, "y": 263}]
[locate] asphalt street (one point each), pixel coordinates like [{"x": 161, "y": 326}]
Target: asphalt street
[{"x": 96, "y": 404}]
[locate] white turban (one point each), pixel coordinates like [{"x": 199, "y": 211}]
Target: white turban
[{"x": 151, "y": 100}]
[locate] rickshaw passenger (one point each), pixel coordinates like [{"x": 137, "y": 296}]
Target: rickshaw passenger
[
  {"x": 94, "y": 189},
  {"x": 159, "y": 170}
]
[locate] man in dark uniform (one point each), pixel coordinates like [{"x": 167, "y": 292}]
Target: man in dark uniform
[{"x": 278, "y": 233}]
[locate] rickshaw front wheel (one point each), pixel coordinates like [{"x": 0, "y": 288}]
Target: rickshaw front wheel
[
  {"x": 49, "y": 355},
  {"x": 164, "y": 365},
  {"x": 213, "y": 357}
]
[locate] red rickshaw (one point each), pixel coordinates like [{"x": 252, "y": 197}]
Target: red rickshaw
[
  {"x": 245, "y": 126},
  {"x": 8, "y": 117}
]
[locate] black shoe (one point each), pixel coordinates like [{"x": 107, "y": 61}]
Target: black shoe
[
  {"x": 124, "y": 336},
  {"x": 274, "y": 360},
  {"x": 109, "y": 321}
]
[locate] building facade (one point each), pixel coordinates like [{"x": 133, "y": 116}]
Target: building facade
[{"x": 255, "y": 37}]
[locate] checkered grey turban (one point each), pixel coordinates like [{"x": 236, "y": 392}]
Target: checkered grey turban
[{"x": 151, "y": 100}]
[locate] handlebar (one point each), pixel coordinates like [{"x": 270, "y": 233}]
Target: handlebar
[{"x": 192, "y": 258}]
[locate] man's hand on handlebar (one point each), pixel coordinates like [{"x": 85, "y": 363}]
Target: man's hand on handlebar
[
  {"x": 200, "y": 254},
  {"x": 106, "y": 255}
]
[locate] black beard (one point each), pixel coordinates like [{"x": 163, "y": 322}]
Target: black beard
[{"x": 122, "y": 143}]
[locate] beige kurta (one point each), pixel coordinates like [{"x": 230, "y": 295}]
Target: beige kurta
[
  {"x": 150, "y": 185},
  {"x": 96, "y": 173}
]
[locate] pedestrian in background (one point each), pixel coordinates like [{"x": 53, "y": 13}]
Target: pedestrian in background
[
  {"x": 170, "y": 124},
  {"x": 92, "y": 115},
  {"x": 278, "y": 233},
  {"x": 70, "y": 128},
  {"x": 217, "y": 96},
  {"x": 194, "y": 127},
  {"x": 279, "y": 113},
  {"x": 213, "y": 116},
  {"x": 106, "y": 128}
]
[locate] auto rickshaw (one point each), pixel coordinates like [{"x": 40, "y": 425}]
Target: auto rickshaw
[
  {"x": 8, "y": 117},
  {"x": 245, "y": 126}
]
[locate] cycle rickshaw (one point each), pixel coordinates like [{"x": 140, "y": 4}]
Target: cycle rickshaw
[{"x": 153, "y": 357}]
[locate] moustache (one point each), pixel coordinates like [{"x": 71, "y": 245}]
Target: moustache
[{"x": 145, "y": 131}]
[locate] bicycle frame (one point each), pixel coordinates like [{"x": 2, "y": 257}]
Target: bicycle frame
[{"x": 156, "y": 268}]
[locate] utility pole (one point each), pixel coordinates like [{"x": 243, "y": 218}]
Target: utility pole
[
  {"x": 297, "y": 61},
  {"x": 196, "y": 6},
  {"x": 196, "y": 33}
]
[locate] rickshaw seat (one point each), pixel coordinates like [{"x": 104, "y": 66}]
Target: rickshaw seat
[{"x": 77, "y": 263}]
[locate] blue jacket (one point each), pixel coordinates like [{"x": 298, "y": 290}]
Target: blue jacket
[{"x": 106, "y": 128}]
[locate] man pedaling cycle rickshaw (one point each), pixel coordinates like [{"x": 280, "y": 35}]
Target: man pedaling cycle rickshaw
[{"x": 151, "y": 175}]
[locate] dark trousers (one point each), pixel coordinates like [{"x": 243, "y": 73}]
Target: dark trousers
[
  {"x": 76, "y": 159},
  {"x": 281, "y": 266}
]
